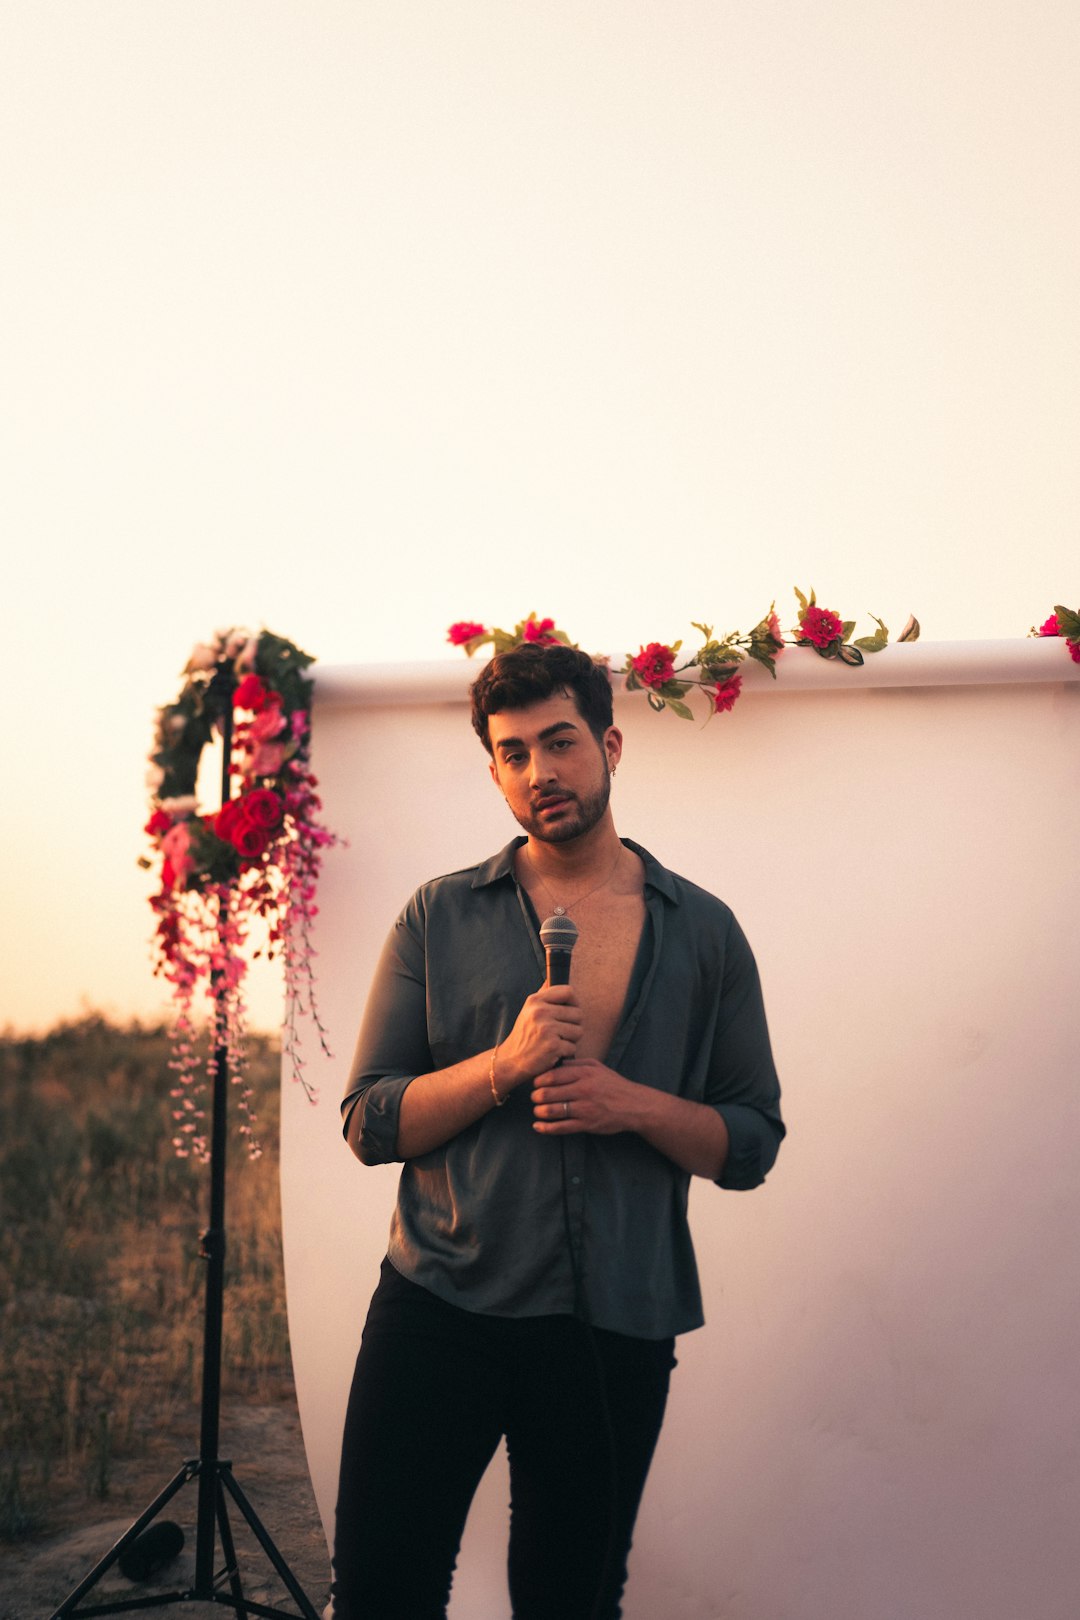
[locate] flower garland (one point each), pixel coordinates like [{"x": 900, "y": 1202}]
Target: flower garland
[
  {"x": 257, "y": 858},
  {"x": 1062, "y": 622},
  {"x": 713, "y": 670}
]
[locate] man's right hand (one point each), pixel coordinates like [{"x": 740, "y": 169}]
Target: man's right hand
[{"x": 547, "y": 1029}]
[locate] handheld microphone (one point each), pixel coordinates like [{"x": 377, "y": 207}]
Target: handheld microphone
[{"x": 558, "y": 936}]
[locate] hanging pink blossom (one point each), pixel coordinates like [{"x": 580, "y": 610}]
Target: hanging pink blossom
[{"x": 727, "y": 694}]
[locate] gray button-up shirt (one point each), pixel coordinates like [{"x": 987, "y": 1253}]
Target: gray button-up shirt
[{"x": 483, "y": 1221}]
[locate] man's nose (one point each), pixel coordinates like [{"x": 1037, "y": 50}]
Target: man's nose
[{"x": 542, "y": 770}]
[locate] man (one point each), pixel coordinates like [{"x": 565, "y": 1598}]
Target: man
[{"x": 540, "y": 1263}]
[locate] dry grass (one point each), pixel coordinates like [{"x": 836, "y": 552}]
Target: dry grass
[{"x": 101, "y": 1283}]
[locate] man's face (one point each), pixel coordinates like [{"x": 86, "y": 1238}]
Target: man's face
[{"x": 555, "y": 776}]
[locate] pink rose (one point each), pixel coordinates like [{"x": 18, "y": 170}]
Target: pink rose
[
  {"x": 654, "y": 664},
  {"x": 1051, "y": 627},
  {"x": 726, "y": 694},
  {"x": 820, "y": 626},
  {"x": 267, "y": 759},
  {"x": 176, "y": 845},
  {"x": 464, "y": 631},
  {"x": 267, "y": 723},
  {"x": 539, "y": 630},
  {"x": 1074, "y": 651}
]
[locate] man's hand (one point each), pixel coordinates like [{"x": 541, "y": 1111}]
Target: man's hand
[
  {"x": 547, "y": 1030},
  {"x": 587, "y": 1096}
]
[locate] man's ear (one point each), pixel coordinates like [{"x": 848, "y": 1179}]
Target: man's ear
[{"x": 613, "y": 746}]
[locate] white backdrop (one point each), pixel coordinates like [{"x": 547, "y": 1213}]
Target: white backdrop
[{"x": 880, "y": 1417}]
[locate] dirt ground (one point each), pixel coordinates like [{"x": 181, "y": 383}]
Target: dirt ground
[{"x": 265, "y": 1447}]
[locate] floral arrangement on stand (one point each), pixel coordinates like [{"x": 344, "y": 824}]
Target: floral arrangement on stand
[
  {"x": 255, "y": 861},
  {"x": 1062, "y": 622},
  {"x": 713, "y": 670}
]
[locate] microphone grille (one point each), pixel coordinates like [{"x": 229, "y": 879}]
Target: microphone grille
[{"x": 558, "y": 933}]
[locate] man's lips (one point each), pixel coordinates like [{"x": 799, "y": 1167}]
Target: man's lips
[{"x": 554, "y": 801}]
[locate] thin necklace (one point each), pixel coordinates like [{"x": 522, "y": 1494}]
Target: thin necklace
[{"x": 563, "y": 911}]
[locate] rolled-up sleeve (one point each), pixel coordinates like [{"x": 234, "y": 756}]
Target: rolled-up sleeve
[
  {"x": 742, "y": 1084},
  {"x": 392, "y": 1047}
]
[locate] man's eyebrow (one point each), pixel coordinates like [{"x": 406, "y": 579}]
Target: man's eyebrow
[{"x": 548, "y": 731}]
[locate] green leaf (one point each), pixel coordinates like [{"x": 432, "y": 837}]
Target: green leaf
[
  {"x": 910, "y": 632},
  {"x": 803, "y": 603},
  {"x": 849, "y": 655},
  {"x": 849, "y": 625},
  {"x": 681, "y": 709},
  {"x": 763, "y": 654},
  {"x": 706, "y": 629},
  {"x": 1068, "y": 623},
  {"x": 655, "y": 702},
  {"x": 879, "y": 639}
]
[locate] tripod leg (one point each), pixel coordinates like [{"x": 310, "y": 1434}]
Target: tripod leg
[
  {"x": 292, "y": 1586},
  {"x": 228, "y": 1547},
  {"x": 129, "y": 1535}
]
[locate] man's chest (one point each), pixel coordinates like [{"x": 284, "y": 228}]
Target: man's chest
[{"x": 609, "y": 935}]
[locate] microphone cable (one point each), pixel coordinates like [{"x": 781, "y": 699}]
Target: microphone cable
[{"x": 558, "y": 935}]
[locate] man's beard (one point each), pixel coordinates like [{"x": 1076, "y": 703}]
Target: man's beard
[{"x": 581, "y": 819}]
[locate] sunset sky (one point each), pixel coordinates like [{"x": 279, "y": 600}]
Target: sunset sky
[{"x": 351, "y": 320}]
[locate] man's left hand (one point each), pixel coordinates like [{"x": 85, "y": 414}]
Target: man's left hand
[{"x": 584, "y": 1095}]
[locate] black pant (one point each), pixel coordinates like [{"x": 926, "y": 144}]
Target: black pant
[{"x": 435, "y": 1390}]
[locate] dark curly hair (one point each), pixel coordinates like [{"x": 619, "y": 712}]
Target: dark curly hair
[{"x": 532, "y": 672}]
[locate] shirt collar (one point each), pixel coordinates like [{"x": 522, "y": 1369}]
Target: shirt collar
[{"x": 502, "y": 865}]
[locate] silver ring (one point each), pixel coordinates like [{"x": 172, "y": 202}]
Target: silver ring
[{"x": 566, "y": 1109}]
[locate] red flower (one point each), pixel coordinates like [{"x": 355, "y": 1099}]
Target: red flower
[
  {"x": 538, "y": 630},
  {"x": 464, "y": 631},
  {"x": 159, "y": 822},
  {"x": 263, "y": 807},
  {"x": 726, "y": 694},
  {"x": 250, "y": 694},
  {"x": 820, "y": 626},
  {"x": 1051, "y": 627},
  {"x": 1074, "y": 651},
  {"x": 654, "y": 664},
  {"x": 249, "y": 840},
  {"x": 226, "y": 819}
]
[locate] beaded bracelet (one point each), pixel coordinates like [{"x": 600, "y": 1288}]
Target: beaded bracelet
[{"x": 491, "y": 1076}]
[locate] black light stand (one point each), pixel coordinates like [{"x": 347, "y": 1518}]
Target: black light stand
[{"x": 214, "y": 1474}]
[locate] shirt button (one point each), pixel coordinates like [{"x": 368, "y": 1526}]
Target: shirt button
[{"x": 575, "y": 1181}]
